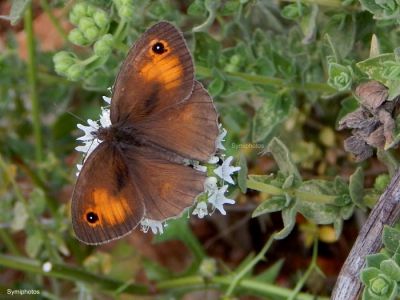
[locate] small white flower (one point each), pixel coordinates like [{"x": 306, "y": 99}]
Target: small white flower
[
  {"x": 220, "y": 138},
  {"x": 155, "y": 226},
  {"x": 47, "y": 266},
  {"x": 201, "y": 210},
  {"x": 200, "y": 168},
  {"x": 79, "y": 167},
  {"x": 88, "y": 130},
  {"x": 210, "y": 185},
  {"x": 225, "y": 171},
  {"x": 107, "y": 99},
  {"x": 88, "y": 147},
  {"x": 213, "y": 160},
  {"x": 105, "y": 119},
  {"x": 218, "y": 199}
]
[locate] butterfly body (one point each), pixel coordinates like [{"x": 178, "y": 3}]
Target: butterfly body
[{"x": 160, "y": 118}]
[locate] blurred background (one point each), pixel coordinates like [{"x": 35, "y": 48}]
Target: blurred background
[{"x": 276, "y": 69}]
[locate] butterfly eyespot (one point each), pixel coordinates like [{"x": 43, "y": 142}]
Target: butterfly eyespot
[
  {"x": 92, "y": 217},
  {"x": 159, "y": 48}
]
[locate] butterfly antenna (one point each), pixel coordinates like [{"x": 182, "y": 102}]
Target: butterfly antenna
[{"x": 76, "y": 116}]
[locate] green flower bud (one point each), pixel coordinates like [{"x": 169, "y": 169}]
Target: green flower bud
[
  {"x": 294, "y": 11},
  {"x": 75, "y": 72},
  {"x": 76, "y": 37},
  {"x": 103, "y": 46},
  {"x": 86, "y": 23},
  {"x": 126, "y": 12},
  {"x": 340, "y": 77},
  {"x": 77, "y": 12},
  {"x": 90, "y": 10},
  {"x": 91, "y": 33},
  {"x": 62, "y": 61},
  {"x": 208, "y": 268},
  {"x": 101, "y": 19},
  {"x": 381, "y": 182},
  {"x": 380, "y": 285},
  {"x": 235, "y": 59}
]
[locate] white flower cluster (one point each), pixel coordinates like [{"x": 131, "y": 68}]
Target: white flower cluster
[{"x": 215, "y": 187}]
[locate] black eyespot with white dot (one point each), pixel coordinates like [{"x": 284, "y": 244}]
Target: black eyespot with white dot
[
  {"x": 92, "y": 217},
  {"x": 158, "y": 48}
]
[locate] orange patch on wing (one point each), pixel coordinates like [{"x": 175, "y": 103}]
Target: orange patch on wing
[
  {"x": 110, "y": 209},
  {"x": 164, "y": 68}
]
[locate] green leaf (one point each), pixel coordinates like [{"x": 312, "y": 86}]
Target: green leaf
[
  {"x": 356, "y": 187},
  {"x": 242, "y": 177},
  {"x": 270, "y": 274},
  {"x": 368, "y": 274},
  {"x": 375, "y": 260},
  {"x": 391, "y": 269},
  {"x": 17, "y": 10},
  {"x": 20, "y": 217},
  {"x": 33, "y": 244},
  {"x": 273, "y": 204},
  {"x": 374, "y": 67},
  {"x": 37, "y": 203},
  {"x": 391, "y": 239},
  {"x": 342, "y": 32},
  {"x": 282, "y": 157},
  {"x": 289, "y": 220}
]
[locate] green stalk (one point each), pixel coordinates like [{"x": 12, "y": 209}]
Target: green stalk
[
  {"x": 45, "y": 5},
  {"x": 239, "y": 276},
  {"x": 307, "y": 274},
  {"x": 266, "y": 80},
  {"x": 264, "y": 187},
  {"x": 67, "y": 272},
  {"x": 32, "y": 81}
]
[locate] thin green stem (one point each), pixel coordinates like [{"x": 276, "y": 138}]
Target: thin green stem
[
  {"x": 239, "y": 276},
  {"x": 9, "y": 242},
  {"x": 50, "y": 249},
  {"x": 32, "y": 81},
  {"x": 301, "y": 195},
  {"x": 265, "y": 80},
  {"x": 53, "y": 19},
  {"x": 264, "y": 187},
  {"x": 307, "y": 274},
  {"x": 327, "y": 3},
  {"x": 67, "y": 272}
]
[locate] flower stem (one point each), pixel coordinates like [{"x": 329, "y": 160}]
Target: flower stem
[
  {"x": 239, "y": 276},
  {"x": 264, "y": 187},
  {"x": 266, "y": 80},
  {"x": 67, "y": 272},
  {"x": 32, "y": 81},
  {"x": 45, "y": 5},
  {"x": 307, "y": 274}
]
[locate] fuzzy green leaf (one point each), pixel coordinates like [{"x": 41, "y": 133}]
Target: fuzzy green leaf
[
  {"x": 273, "y": 204},
  {"x": 282, "y": 157},
  {"x": 375, "y": 260},
  {"x": 391, "y": 239},
  {"x": 242, "y": 177},
  {"x": 356, "y": 187},
  {"x": 289, "y": 220},
  {"x": 391, "y": 269}
]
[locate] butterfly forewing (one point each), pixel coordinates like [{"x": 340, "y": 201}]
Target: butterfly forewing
[
  {"x": 157, "y": 73},
  {"x": 106, "y": 204}
]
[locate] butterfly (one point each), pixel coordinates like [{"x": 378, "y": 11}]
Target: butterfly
[{"x": 161, "y": 118}]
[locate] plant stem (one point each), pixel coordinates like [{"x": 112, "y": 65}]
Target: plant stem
[
  {"x": 265, "y": 80},
  {"x": 239, "y": 276},
  {"x": 307, "y": 274},
  {"x": 67, "y": 272},
  {"x": 32, "y": 81},
  {"x": 45, "y": 5},
  {"x": 264, "y": 187}
]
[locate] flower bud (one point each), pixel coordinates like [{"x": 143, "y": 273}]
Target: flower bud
[
  {"x": 103, "y": 46},
  {"x": 91, "y": 33},
  {"x": 340, "y": 77},
  {"x": 77, "y": 12},
  {"x": 76, "y": 37},
  {"x": 62, "y": 61},
  {"x": 75, "y": 72},
  {"x": 101, "y": 19},
  {"x": 85, "y": 23}
]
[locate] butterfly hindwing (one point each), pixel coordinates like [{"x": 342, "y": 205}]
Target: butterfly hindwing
[
  {"x": 169, "y": 188},
  {"x": 157, "y": 73},
  {"x": 189, "y": 128},
  {"x": 106, "y": 203}
]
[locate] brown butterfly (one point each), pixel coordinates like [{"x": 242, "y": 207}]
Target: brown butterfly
[{"x": 161, "y": 117}]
